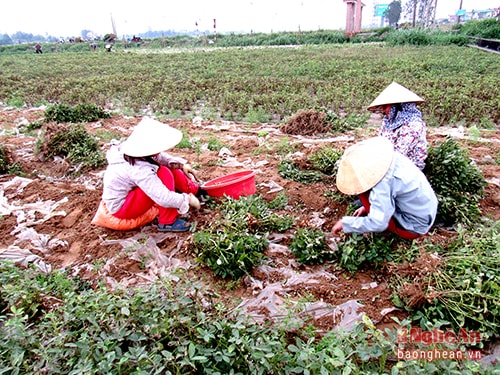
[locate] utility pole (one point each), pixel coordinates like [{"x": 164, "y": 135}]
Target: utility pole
[
  {"x": 414, "y": 13},
  {"x": 435, "y": 9},
  {"x": 459, "y": 14}
]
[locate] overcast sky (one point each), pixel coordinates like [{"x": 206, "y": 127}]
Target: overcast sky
[{"x": 57, "y": 18}]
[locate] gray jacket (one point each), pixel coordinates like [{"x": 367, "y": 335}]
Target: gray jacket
[{"x": 120, "y": 178}]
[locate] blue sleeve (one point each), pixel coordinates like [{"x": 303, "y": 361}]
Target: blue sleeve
[{"x": 382, "y": 208}]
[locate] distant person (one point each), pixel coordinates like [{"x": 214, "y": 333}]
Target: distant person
[
  {"x": 395, "y": 194},
  {"x": 38, "y": 48},
  {"x": 402, "y": 123},
  {"x": 93, "y": 46}
]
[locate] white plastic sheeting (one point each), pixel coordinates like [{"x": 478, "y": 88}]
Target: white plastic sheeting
[
  {"x": 273, "y": 301},
  {"x": 28, "y": 215},
  {"x": 143, "y": 248}
]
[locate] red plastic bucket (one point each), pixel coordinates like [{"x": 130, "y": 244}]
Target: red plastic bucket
[{"x": 233, "y": 185}]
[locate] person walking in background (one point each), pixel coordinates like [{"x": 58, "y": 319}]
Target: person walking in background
[
  {"x": 395, "y": 195},
  {"x": 402, "y": 123},
  {"x": 38, "y": 48},
  {"x": 141, "y": 175}
]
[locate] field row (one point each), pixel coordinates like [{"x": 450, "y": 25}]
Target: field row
[{"x": 460, "y": 84}]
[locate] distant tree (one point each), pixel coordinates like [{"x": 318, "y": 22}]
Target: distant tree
[
  {"x": 5, "y": 39},
  {"x": 21, "y": 37},
  {"x": 423, "y": 12},
  {"x": 39, "y": 38},
  {"x": 393, "y": 12}
]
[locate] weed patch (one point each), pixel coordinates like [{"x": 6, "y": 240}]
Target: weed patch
[
  {"x": 326, "y": 160},
  {"x": 457, "y": 182},
  {"x": 4, "y": 161},
  {"x": 291, "y": 170},
  {"x": 309, "y": 246},
  {"x": 74, "y": 143},
  {"x": 357, "y": 251},
  {"x": 233, "y": 245},
  {"x": 80, "y": 113},
  {"x": 458, "y": 284}
]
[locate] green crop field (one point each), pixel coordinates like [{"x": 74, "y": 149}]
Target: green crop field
[
  {"x": 55, "y": 323},
  {"x": 460, "y": 84}
]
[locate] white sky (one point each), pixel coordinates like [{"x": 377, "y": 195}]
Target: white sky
[{"x": 57, "y": 18}]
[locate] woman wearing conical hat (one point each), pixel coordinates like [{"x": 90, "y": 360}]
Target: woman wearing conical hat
[
  {"x": 402, "y": 123},
  {"x": 141, "y": 175},
  {"x": 395, "y": 194}
]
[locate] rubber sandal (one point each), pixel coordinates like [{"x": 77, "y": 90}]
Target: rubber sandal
[{"x": 178, "y": 225}]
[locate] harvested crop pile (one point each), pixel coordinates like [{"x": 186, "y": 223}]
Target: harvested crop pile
[{"x": 309, "y": 122}]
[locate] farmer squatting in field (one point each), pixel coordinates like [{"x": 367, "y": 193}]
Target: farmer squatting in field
[
  {"x": 402, "y": 123},
  {"x": 141, "y": 178},
  {"x": 395, "y": 194}
]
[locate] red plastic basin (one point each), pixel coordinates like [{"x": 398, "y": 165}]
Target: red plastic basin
[{"x": 233, "y": 185}]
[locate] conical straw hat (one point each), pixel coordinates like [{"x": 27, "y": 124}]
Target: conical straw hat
[
  {"x": 150, "y": 137},
  {"x": 395, "y": 93},
  {"x": 364, "y": 164}
]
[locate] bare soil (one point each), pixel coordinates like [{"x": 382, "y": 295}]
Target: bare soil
[{"x": 67, "y": 239}]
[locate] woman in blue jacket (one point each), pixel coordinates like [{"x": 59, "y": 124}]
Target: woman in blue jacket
[{"x": 395, "y": 194}]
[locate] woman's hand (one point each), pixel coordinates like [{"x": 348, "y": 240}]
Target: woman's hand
[
  {"x": 194, "y": 202},
  {"x": 188, "y": 170},
  {"x": 360, "y": 212},
  {"x": 174, "y": 165},
  {"x": 337, "y": 227}
]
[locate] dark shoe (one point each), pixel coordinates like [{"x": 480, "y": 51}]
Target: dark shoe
[{"x": 178, "y": 225}]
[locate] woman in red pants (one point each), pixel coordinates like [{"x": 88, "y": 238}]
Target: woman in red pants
[
  {"x": 140, "y": 175},
  {"x": 395, "y": 194}
]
